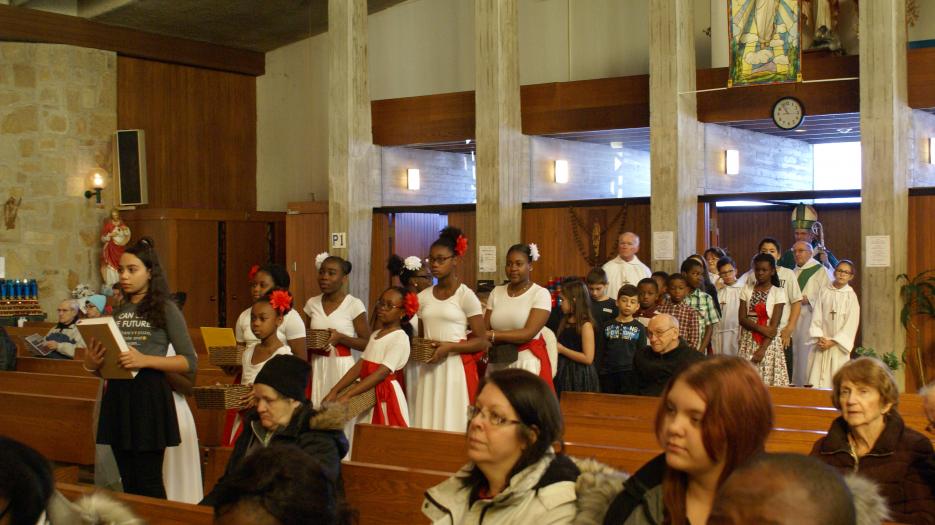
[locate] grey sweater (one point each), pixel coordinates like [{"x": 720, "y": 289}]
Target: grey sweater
[{"x": 140, "y": 333}]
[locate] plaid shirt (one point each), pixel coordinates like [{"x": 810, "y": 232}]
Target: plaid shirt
[
  {"x": 704, "y": 305},
  {"x": 688, "y": 321}
]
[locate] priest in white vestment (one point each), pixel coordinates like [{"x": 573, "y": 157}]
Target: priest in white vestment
[
  {"x": 835, "y": 319},
  {"x": 812, "y": 277},
  {"x": 626, "y": 267}
]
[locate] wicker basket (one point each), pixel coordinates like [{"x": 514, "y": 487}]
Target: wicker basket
[
  {"x": 422, "y": 350},
  {"x": 220, "y": 397},
  {"x": 225, "y": 355},
  {"x": 360, "y": 403},
  {"x": 317, "y": 340}
]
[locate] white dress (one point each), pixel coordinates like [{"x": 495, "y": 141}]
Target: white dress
[
  {"x": 620, "y": 272},
  {"x": 411, "y": 370},
  {"x": 251, "y": 370},
  {"x": 292, "y": 327},
  {"x": 181, "y": 466},
  {"x": 391, "y": 351},
  {"x": 727, "y": 335},
  {"x": 441, "y": 395},
  {"x": 802, "y": 342},
  {"x": 836, "y": 316},
  {"x": 511, "y": 313},
  {"x": 789, "y": 285},
  {"x": 328, "y": 370}
]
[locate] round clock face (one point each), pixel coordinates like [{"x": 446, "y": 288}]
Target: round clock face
[{"x": 788, "y": 113}]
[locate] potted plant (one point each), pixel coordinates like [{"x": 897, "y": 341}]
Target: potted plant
[
  {"x": 918, "y": 296},
  {"x": 890, "y": 359}
]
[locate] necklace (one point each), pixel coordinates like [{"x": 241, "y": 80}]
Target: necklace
[{"x": 521, "y": 291}]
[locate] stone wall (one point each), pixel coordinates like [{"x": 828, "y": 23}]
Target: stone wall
[
  {"x": 921, "y": 171},
  {"x": 58, "y": 113},
  {"x": 767, "y": 163},
  {"x": 446, "y": 178},
  {"x": 595, "y": 171}
]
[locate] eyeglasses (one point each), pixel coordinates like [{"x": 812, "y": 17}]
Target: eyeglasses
[
  {"x": 438, "y": 260},
  {"x": 387, "y": 306},
  {"x": 845, "y": 272},
  {"x": 494, "y": 419},
  {"x": 659, "y": 333}
]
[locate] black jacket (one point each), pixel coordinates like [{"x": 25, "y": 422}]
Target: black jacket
[
  {"x": 320, "y": 435},
  {"x": 654, "y": 370}
]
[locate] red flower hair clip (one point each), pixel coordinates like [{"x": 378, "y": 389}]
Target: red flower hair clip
[
  {"x": 253, "y": 271},
  {"x": 461, "y": 245},
  {"x": 281, "y": 301},
  {"x": 411, "y": 304}
]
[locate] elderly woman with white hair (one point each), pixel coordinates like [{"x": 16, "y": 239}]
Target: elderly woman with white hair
[{"x": 63, "y": 338}]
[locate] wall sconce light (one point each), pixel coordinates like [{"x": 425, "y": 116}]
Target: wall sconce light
[
  {"x": 97, "y": 183},
  {"x": 561, "y": 171},
  {"x": 931, "y": 151},
  {"x": 413, "y": 180},
  {"x": 731, "y": 162}
]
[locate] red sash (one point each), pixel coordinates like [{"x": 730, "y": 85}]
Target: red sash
[
  {"x": 470, "y": 362},
  {"x": 339, "y": 350},
  {"x": 232, "y": 423},
  {"x": 385, "y": 393},
  {"x": 538, "y": 349},
  {"x": 762, "y": 319}
]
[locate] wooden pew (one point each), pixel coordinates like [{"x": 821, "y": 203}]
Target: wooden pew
[
  {"x": 388, "y": 494},
  {"x": 60, "y": 367},
  {"x": 154, "y": 511},
  {"x": 87, "y": 387},
  {"x": 61, "y": 428},
  {"x": 214, "y": 462}
]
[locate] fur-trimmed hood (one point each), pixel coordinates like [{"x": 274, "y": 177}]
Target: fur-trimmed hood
[
  {"x": 596, "y": 487},
  {"x": 869, "y": 504},
  {"x": 93, "y": 509},
  {"x": 329, "y": 416}
]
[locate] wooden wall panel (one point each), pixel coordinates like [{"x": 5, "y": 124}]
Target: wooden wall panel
[
  {"x": 200, "y": 132},
  {"x": 921, "y": 258},
  {"x": 551, "y": 229},
  {"x": 33, "y": 25},
  {"x": 245, "y": 245},
  {"x": 415, "y": 232},
  {"x": 446, "y": 117},
  {"x": 306, "y": 237},
  {"x": 585, "y": 105},
  {"x": 467, "y": 271},
  {"x": 921, "y": 77}
]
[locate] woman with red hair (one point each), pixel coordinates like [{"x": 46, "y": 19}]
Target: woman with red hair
[{"x": 714, "y": 416}]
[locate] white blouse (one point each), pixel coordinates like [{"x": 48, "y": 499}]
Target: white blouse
[
  {"x": 511, "y": 313},
  {"x": 251, "y": 370},
  {"x": 292, "y": 327},
  {"x": 391, "y": 350},
  {"x": 447, "y": 320},
  {"x": 341, "y": 319}
]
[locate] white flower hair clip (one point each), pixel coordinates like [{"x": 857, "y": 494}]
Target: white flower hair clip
[
  {"x": 81, "y": 291},
  {"x": 534, "y": 251},
  {"x": 320, "y": 258},
  {"x": 412, "y": 263}
]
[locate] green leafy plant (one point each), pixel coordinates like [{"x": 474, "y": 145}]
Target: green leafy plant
[
  {"x": 918, "y": 295},
  {"x": 890, "y": 359}
]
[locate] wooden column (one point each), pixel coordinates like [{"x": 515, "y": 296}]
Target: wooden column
[
  {"x": 884, "y": 125},
  {"x": 350, "y": 138},
  {"x": 676, "y": 138},
  {"x": 501, "y": 172}
]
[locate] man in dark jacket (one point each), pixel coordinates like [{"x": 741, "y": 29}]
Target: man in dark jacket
[
  {"x": 283, "y": 416},
  {"x": 666, "y": 354}
]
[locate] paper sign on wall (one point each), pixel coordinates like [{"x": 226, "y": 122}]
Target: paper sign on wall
[
  {"x": 878, "y": 251},
  {"x": 486, "y": 259},
  {"x": 339, "y": 240},
  {"x": 663, "y": 246}
]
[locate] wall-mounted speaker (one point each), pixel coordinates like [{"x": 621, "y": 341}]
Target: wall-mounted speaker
[{"x": 131, "y": 167}]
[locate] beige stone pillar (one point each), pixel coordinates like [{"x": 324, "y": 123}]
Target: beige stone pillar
[
  {"x": 350, "y": 139},
  {"x": 884, "y": 125},
  {"x": 501, "y": 172},
  {"x": 675, "y": 136}
]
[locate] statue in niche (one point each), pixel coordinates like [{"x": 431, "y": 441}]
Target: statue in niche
[
  {"x": 115, "y": 236},
  {"x": 10, "y": 210}
]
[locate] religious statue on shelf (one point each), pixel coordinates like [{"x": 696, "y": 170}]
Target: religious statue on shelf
[
  {"x": 115, "y": 236},
  {"x": 824, "y": 23}
]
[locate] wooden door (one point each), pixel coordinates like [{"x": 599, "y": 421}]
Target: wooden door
[
  {"x": 246, "y": 243},
  {"x": 306, "y": 236},
  {"x": 196, "y": 270}
]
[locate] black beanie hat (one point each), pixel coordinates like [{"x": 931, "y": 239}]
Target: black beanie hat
[{"x": 287, "y": 374}]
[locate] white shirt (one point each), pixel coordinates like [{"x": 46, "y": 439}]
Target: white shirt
[
  {"x": 789, "y": 284},
  {"x": 620, "y": 272},
  {"x": 250, "y": 370},
  {"x": 391, "y": 350},
  {"x": 511, "y": 313},
  {"x": 292, "y": 327},
  {"x": 341, "y": 319},
  {"x": 775, "y": 296},
  {"x": 447, "y": 320}
]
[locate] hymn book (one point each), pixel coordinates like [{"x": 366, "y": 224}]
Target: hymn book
[{"x": 105, "y": 330}]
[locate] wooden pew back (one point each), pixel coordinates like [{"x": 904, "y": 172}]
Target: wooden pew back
[
  {"x": 87, "y": 387},
  {"x": 61, "y": 428},
  {"x": 385, "y": 494},
  {"x": 154, "y": 511}
]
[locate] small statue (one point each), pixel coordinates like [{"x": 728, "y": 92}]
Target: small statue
[{"x": 115, "y": 235}]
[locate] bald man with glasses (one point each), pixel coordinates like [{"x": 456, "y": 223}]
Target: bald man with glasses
[{"x": 666, "y": 354}]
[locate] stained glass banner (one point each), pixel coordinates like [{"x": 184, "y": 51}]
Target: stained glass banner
[{"x": 765, "y": 43}]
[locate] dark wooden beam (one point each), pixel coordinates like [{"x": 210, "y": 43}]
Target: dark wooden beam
[
  {"x": 19, "y": 24},
  {"x": 447, "y": 117},
  {"x": 921, "y": 65},
  {"x": 585, "y": 105}
]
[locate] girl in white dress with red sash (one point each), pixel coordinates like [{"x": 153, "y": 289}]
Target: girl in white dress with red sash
[
  {"x": 292, "y": 330},
  {"x": 344, "y": 316},
  {"x": 517, "y": 312},
  {"x": 414, "y": 277},
  {"x": 448, "y": 384},
  {"x": 267, "y": 315},
  {"x": 382, "y": 362}
]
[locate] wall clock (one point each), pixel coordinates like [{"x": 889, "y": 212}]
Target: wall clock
[{"x": 788, "y": 113}]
